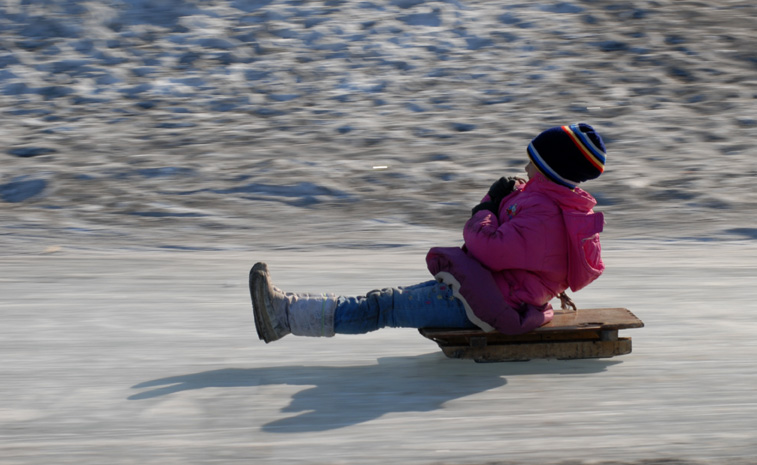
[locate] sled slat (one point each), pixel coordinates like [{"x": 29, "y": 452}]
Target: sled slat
[
  {"x": 454, "y": 337},
  {"x": 567, "y": 350},
  {"x": 604, "y": 318}
]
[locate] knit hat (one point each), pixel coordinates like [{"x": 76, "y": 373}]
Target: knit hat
[{"x": 568, "y": 155}]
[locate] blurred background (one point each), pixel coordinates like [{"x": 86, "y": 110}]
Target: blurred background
[
  {"x": 226, "y": 124},
  {"x": 283, "y": 130}
]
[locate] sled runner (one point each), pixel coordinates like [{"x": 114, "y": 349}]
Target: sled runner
[{"x": 584, "y": 333}]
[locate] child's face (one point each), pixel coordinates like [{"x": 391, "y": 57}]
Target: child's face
[{"x": 531, "y": 170}]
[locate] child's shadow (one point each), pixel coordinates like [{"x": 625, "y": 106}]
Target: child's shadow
[{"x": 344, "y": 396}]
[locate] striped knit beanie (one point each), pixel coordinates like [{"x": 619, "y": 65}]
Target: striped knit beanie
[{"x": 568, "y": 155}]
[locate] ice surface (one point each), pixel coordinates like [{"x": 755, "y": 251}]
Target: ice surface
[{"x": 152, "y": 358}]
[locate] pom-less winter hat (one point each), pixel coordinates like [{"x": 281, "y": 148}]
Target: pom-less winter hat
[{"x": 568, "y": 155}]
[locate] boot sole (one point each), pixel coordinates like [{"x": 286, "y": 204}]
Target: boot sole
[
  {"x": 256, "y": 306},
  {"x": 261, "y": 306}
]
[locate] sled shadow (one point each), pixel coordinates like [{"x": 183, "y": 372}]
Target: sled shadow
[{"x": 343, "y": 396}]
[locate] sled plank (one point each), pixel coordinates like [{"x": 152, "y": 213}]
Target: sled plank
[
  {"x": 604, "y": 318},
  {"x": 586, "y": 333},
  {"x": 561, "y": 350}
]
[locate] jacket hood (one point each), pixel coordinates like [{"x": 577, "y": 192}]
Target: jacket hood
[{"x": 566, "y": 198}]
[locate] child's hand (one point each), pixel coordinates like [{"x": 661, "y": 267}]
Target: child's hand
[{"x": 502, "y": 188}]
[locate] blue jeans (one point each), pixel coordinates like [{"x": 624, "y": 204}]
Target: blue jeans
[{"x": 425, "y": 305}]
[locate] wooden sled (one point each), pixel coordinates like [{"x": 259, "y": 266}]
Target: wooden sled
[{"x": 585, "y": 333}]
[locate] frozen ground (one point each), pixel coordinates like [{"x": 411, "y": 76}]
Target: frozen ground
[
  {"x": 152, "y": 151},
  {"x": 152, "y": 358}
]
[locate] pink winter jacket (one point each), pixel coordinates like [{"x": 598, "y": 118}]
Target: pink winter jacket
[{"x": 544, "y": 241}]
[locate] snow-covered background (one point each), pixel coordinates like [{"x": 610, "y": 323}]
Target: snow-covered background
[{"x": 228, "y": 124}]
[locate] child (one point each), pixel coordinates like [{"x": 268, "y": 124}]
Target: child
[{"x": 525, "y": 244}]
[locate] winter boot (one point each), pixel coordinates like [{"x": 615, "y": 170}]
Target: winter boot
[
  {"x": 268, "y": 305},
  {"x": 278, "y": 314}
]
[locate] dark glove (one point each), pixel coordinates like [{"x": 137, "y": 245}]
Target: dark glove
[
  {"x": 502, "y": 188},
  {"x": 498, "y": 191}
]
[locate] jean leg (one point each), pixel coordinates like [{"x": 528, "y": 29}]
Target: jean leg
[{"x": 424, "y": 305}]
